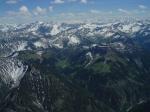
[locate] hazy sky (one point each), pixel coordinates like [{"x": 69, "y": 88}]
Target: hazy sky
[{"x": 20, "y": 11}]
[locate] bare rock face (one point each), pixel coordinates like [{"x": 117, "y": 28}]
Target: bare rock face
[{"x": 11, "y": 71}]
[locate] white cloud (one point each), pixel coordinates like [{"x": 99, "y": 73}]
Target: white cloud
[
  {"x": 50, "y": 8},
  {"x": 63, "y": 1},
  {"x": 68, "y": 14},
  {"x": 142, "y": 7},
  {"x": 23, "y": 11},
  {"x": 12, "y": 1},
  {"x": 58, "y": 1},
  {"x": 72, "y": 0},
  {"x": 39, "y": 11},
  {"x": 84, "y": 1},
  {"x": 124, "y": 11},
  {"x": 94, "y": 11}
]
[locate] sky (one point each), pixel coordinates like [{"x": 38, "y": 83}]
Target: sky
[{"x": 24, "y": 11}]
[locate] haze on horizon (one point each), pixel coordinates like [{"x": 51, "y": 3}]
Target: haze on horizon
[{"x": 24, "y": 11}]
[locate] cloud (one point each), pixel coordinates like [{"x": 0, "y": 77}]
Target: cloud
[
  {"x": 94, "y": 11},
  {"x": 22, "y": 15},
  {"x": 142, "y": 7},
  {"x": 50, "y": 8},
  {"x": 72, "y": 0},
  {"x": 23, "y": 11},
  {"x": 58, "y": 1},
  {"x": 12, "y": 1},
  {"x": 39, "y": 11},
  {"x": 84, "y": 1},
  {"x": 124, "y": 11},
  {"x": 65, "y": 1},
  {"x": 67, "y": 14},
  {"x": 25, "y": 15},
  {"x": 46, "y": 13}
]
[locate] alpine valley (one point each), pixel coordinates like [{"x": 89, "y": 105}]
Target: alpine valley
[{"x": 78, "y": 67}]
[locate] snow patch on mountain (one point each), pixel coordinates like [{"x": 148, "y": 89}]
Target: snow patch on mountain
[
  {"x": 109, "y": 34},
  {"x": 130, "y": 28},
  {"x": 89, "y": 26},
  {"x": 125, "y": 28},
  {"x": 73, "y": 40},
  {"x": 41, "y": 43},
  {"x": 55, "y": 29},
  {"x": 22, "y": 46},
  {"x": 136, "y": 29},
  {"x": 90, "y": 57},
  {"x": 58, "y": 46}
]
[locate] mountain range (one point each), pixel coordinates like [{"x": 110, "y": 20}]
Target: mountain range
[{"x": 78, "y": 67}]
